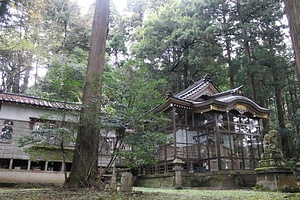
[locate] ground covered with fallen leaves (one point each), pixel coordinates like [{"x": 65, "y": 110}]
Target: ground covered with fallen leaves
[{"x": 46, "y": 193}]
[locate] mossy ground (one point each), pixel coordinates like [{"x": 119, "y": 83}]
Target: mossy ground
[{"x": 142, "y": 194}]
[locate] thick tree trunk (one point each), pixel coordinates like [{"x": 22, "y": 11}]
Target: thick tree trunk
[
  {"x": 84, "y": 170},
  {"x": 292, "y": 9}
]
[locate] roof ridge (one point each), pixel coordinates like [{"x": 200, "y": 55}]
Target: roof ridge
[
  {"x": 231, "y": 91},
  {"x": 196, "y": 85},
  {"x": 37, "y": 98},
  {"x": 43, "y": 102}
]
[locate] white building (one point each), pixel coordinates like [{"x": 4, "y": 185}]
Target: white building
[{"x": 22, "y": 115}]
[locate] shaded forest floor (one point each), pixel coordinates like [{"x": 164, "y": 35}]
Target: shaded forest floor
[{"x": 46, "y": 193}]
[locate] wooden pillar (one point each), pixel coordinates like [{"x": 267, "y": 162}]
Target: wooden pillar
[
  {"x": 174, "y": 132},
  {"x": 193, "y": 118},
  {"x": 207, "y": 149},
  {"x": 243, "y": 156},
  {"x": 217, "y": 135},
  {"x": 232, "y": 135},
  {"x": 166, "y": 160},
  {"x": 251, "y": 157},
  {"x": 186, "y": 145},
  {"x": 185, "y": 117},
  {"x": 260, "y": 139},
  {"x": 198, "y": 146},
  {"x": 186, "y": 137}
]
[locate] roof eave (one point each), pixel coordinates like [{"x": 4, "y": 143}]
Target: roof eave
[{"x": 173, "y": 102}]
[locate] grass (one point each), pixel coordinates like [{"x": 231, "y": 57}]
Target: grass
[
  {"x": 142, "y": 194},
  {"x": 216, "y": 194}
]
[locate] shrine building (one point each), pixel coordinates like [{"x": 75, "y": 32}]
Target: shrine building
[{"x": 214, "y": 133}]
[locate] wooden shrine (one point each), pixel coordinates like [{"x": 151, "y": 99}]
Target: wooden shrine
[{"x": 210, "y": 130}]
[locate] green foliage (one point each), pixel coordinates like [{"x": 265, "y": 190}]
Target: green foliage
[
  {"x": 296, "y": 118},
  {"x": 65, "y": 82},
  {"x": 47, "y": 137},
  {"x": 293, "y": 132},
  {"x": 179, "y": 47},
  {"x": 50, "y": 141},
  {"x": 37, "y": 32},
  {"x": 118, "y": 36},
  {"x": 143, "y": 148},
  {"x": 48, "y": 153},
  {"x": 64, "y": 79},
  {"x": 130, "y": 93}
]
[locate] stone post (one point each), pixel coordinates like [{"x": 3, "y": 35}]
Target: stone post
[
  {"x": 46, "y": 166},
  {"x": 191, "y": 171},
  {"x": 11, "y": 163},
  {"x": 29, "y": 165},
  {"x": 126, "y": 182},
  {"x": 113, "y": 181},
  {"x": 178, "y": 169}
]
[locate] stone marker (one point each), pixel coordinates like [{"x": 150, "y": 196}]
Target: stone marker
[
  {"x": 126, "y": 182},
  {"x": 113, "y": 182}
]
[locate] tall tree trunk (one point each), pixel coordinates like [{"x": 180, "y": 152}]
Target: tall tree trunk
[
  {"x": 280, "y": 113},
  {"x": 292, "y": 9},
  {"x": 26, "y": 80},
  {"x": 278, "y": 94},
  {"x": 84, "y": 170},
  {"x": 185, "y": 66},
  {"x": 16, "y": 82},
  {"x": 231, "y": 70},
  {"x": 246, "y": 45},
  {"x": 290, "y": 93}
]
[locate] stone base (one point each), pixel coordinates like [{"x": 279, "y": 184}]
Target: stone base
[
  {"x": 272, "y": 162},
  {"x": 276, "y": 179},
  {"x": 219, "y": 179}
]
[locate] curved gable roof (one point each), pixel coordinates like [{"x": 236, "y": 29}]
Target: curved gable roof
[
  {"x": 204, "y": 86},
  {"x": 204, "y": 96}
]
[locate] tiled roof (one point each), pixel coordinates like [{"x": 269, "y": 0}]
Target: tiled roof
[
  {"x": 34, "y": 101},
  {"x": 196, "y": 87}
]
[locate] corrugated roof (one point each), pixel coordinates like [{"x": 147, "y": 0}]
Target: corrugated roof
[{"x": 35, "y": 101}]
